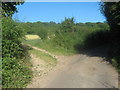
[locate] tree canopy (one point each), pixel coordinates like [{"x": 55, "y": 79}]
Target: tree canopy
[
  {"x": 111, "y": 10},
  {"x": 9, "y": 8}
]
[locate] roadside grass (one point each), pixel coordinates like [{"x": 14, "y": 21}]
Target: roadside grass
[
  {"x": 34, "y": 42},
  {"x": 71, "y": 43},
  {"x": 50, "y": 47},
  {"x": 45, "y": 57}
]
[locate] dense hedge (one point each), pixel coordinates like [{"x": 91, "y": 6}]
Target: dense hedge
[{"x": 14, "y": 73}]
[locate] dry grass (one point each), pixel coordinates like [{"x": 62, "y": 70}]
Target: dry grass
[{"x": 31, "y": 37}]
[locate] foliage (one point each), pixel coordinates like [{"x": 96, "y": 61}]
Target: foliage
[
  {"x": 42, "y": 29},
  {"x": 111, "y": 11},
  {"x": 112, "y": 14},
  {"x": 82, "y": 36},
  {"x": 96, "y": 39},
  {"x": 48, "y": 45},
  {"x": 9, "y": 8},
  {"x": 14, "y": 74},
  {"x": 116, "y": 62},
  {"x": 15, "y": 64},
  {"x": 68, "y": 25},
  {"x": 67, "y": 36},
  {"x": 42, "y": 34},
  {"x": 12, "y": 36}
]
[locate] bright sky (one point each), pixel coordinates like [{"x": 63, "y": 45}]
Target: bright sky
[{"x": 57, "y": 11}]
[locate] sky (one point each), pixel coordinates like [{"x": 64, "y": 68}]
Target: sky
[{"x": 57, "y": 11}]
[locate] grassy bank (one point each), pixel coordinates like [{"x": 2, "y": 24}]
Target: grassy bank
[
  {"x": 49, "y": 46},
  {"x": 45, "y": 57}
]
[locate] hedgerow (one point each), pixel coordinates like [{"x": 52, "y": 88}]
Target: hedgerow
[{"x": 14, "y": 73}]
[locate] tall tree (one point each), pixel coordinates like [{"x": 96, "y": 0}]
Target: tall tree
[
  {"x": 68, "y": 25},
  {"x": 9, "y": 8},
  {"x": 111, "y": 10}
]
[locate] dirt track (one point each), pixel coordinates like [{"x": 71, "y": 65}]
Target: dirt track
[{"x": 77, "y": 71}]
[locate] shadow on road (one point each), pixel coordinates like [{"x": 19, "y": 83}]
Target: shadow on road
[{"x": 100, "y": 51}]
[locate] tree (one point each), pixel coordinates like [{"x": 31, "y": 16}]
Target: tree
[
  {"x": 9, "y": 8},
  {"x": 68, "y": 25},
  {"x": 12, "y": 32},
  {"x": 15, "y": 74},
  {"x": 111, "y": 10}
]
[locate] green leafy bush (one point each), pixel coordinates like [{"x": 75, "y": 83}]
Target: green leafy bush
[
  {"x": 12, "y": 36},
  {"x": 116, "y": 63},
  {"x": 42, "y": 33},
  {"x": 96, "y": 38},
  {"x": 14, "y": 73},
  {"x": 111, "y": 12},
  {"x": 114, "y": 54}
]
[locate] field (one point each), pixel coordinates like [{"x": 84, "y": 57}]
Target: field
[{"x": 32, "y": 37}]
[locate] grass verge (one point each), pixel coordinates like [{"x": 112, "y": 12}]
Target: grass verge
[
  {"x": 43, "y": 56},
  {"x": 50, "y": 47}
]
